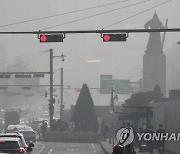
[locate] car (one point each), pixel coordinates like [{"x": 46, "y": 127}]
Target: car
[
  {"x": 11, "y": 145},
  {"x": 22, "y": 141},
  {"x": 27, "y": 132},
  {"x": 29, "y": 135},
  {"x": 14, "y": 127}
]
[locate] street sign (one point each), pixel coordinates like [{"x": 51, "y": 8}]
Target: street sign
[
  {"x": 120, "y": 86},
  {"x": 38, "y": 75},
  {"x": 5, "y": 75},
  {"x": 22, "y": 75},
  {"x": 26, "y": 87},
  {"x": 105, "y": 77}
]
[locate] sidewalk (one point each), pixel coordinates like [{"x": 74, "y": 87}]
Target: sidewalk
[{"x": 107, "y": 148}]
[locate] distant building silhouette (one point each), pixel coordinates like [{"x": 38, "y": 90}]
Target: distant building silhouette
[{"x": 154, "y": 60}]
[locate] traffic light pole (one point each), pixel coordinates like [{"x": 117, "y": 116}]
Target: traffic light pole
[
  {"x": 61, "y": 87},
  {"x": 51, "y": 101}
]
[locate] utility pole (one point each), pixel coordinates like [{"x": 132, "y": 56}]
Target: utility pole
[
  {"x": 51, "y": 101},
  {"x": 61, "y": 89},
  {"x": 62, "y": 105}
]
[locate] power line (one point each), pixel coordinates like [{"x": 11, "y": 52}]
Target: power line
[
  {"x": 61, "y": 14},
  {"x": 137, "y": 14},
  {"x": 26, "y": 58},
  {"x": 102, "y": 13},
  {"x": 19, "y": 56}
]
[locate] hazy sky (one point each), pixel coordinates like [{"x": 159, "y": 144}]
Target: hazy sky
[{"x": 121, "y": 59}]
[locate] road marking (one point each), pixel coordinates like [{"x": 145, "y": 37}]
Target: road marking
[
  {"x": 50, "y": 151},
  {"x": 43, "y": 146},
  {"x": 93, "y": 146}
]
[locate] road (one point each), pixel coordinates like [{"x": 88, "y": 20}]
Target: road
[{"x": 66, "y": 148}]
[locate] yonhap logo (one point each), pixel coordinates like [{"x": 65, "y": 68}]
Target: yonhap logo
[{"x": 125, "y": 136}]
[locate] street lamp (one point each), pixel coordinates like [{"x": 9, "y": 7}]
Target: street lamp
[{"x": 61, "y": 93}]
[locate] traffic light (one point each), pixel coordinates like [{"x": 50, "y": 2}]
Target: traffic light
[
  {"x": 51, "y": 38},
  {"x": 114, "y": 37}
]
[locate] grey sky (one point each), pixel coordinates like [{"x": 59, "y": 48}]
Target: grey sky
[{"x": 122, "y": 60}]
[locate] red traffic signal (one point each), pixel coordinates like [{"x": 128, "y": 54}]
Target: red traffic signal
[
  {"x": 43, "y": 38},
  {"x": 51, "y": 38},
  {"x": 106, "y": 37},
  {"x": 114, "y": 37}
]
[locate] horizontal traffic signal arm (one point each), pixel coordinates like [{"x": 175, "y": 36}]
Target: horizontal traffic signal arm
[
  {"x": 58, "y": 36},
  {"x": 94, "y": 31}
]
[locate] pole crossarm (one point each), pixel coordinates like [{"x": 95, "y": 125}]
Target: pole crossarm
[{"x": 93, "y": 31}]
